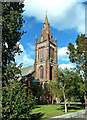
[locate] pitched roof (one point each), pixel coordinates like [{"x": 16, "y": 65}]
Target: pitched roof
[{"x": 27, "y": 70}]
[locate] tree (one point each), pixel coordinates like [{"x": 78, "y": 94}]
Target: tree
[
  {"x": 52, "y": 88},
  {"x": 36, "y": 91},
  {"x": 16, "y": 105},
  {"x": 69, "y": 83},
  {"x": 15, "y": 102},
  {"x": 12, "y": 22},
  {"x": 78, "y": 55}
]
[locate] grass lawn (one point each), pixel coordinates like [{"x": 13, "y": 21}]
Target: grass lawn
[{"x": 49, "y": 111}]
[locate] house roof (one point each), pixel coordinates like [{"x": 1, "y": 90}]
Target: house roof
[{"x": 27, "y": 70}]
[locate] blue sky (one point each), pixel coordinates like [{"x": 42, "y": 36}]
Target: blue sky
[{"x": 67, "y": 20}]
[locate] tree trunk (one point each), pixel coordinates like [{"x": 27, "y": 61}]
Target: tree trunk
[
  {"x": 64, "y": 100},
  {"x": 69, "y": 104},
  {"x": 57, "y": 100},
  {"x": 85, "y": 101},
  {"x": 65, "y": 106},
  {"x": 52, "y": 100}
]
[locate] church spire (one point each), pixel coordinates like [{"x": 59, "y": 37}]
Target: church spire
[
  {"x": 46, "y": 20},
  {"x": 36, "y": 39},
  {"x": 46, "y": 31},
  {"x": 56, "y": 41}
]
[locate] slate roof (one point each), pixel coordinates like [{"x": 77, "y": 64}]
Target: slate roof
[{"x": 27, "y": 70}]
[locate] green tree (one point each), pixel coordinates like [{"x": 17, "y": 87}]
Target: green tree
[
  {"x": 36, "y": 91},
  {"x": 12, "y": 23},
  {"x": 15, "y": 102},
  {"x": 52, "y": 88},
  {"x": 69, "y": 83},
  {"x": 78, "y": 55}
]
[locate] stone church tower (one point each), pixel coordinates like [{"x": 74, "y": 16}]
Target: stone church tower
[{"x": 45, "y": 54}]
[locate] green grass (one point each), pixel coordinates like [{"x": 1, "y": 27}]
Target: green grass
[{"x": 49, "y": 111}]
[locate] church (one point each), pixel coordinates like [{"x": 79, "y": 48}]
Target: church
[{"x": 45, "y": 57}]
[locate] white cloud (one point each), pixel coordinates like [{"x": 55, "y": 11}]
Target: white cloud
[
  {"x": 81, "y": 0},
  {"x": 20, "y": 46},
  {"x": 24, "y": 57},
  {"x": 68, "y": 66},
  {"x": 62, "y": 54},
  {"x": 62, "y": 14},
  {"x": 62, "y": 51}
]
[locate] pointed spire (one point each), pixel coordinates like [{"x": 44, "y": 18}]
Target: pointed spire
[
  {"x": 46, "y": 20},
  {"x": 36, "y": 39},
  {"x": 45, "y": 30},
  {"x": 56, "y": 40}
]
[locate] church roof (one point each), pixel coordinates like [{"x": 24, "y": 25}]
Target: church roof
[
  {"x": 27, "y": 70},
  {"x": 46, "y": 31}
]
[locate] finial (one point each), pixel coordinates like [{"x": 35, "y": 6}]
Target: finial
[
  {"x": 55, "y": 40},
  {"x": 36, "y": 38},
  {"x": 46, "y": 19}
]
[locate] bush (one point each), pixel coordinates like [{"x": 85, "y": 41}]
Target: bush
[{"x": 15, "y": 102}]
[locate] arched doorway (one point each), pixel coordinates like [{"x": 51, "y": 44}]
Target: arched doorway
[{"x": 41, "y": 72}]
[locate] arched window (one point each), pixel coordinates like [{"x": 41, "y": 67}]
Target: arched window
[
  {"x": 51, "y": 73},
  {"x": 41, "y": 72},
  {"x": 51, "y": 52},
  {"x": 41, "y": 53}
]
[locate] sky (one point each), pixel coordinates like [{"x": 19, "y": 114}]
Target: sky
[{"x": 67, "y": 21}]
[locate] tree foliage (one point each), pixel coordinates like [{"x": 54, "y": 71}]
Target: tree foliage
[
  {"x": 15, "y": 103},
  {"x": 36, "y": 91},
  {"x": 52, "y": 88},
  {"x": 69, "y": 83},
  {"x": 77, "y": 54},
  {"x": 12, "y": 23},
  {"x": 13, "y": 72}
]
